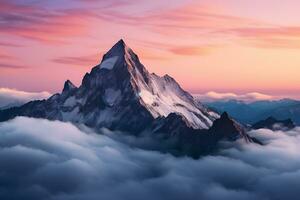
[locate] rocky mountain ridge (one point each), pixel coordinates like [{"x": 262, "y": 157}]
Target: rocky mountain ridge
[{"x": 120, "y": 94}]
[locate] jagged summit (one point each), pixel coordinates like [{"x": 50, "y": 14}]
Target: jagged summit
[
  {"x": 117, "y": 49},
  {"x": 122, "y": 61},
  {"x": 121, "y": 42},
  {"x": 120, "y": 50},
  {"x": 68, "y": 85}
]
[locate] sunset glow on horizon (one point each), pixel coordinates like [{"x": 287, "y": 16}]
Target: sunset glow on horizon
[{"x": 210, "y": 45}]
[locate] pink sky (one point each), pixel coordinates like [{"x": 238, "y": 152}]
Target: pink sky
[{"x": 224, "y": 46}]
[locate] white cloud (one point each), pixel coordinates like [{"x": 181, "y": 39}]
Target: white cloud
[
  {"x": 12, "y": 97},
  {"x": 41, "y": 159},
  {"x": 248, "y": 97}
]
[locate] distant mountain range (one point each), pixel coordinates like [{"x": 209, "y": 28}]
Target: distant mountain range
[
  {"x": 120, "y": 94},
  {"x": 274, "y": 124},
  {"x": 249, "y": 113}
]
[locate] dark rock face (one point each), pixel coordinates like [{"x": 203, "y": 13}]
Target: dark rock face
[
  {"x": 227, "y": 128},
  {"x": 195, "y": 142},
  {"x": 68, "y": 86},
  {"x": 274, "y": 124},
  {"x": 174, "y": 124}
]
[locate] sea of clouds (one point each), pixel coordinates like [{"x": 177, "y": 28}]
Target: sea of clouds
[
  {"x": 12, "y": 97},
  {"x": 41, "y": 159}
]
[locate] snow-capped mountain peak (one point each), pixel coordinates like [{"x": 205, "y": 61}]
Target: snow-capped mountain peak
[
  {"x": 160, "y": 96},
  {"x": 120, "y": 93}
]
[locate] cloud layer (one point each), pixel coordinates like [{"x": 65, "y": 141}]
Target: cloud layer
[
  {"x": 13, "y": 97},
  {"x": 248, "y": 97},
  {"x": 40, "y": 159}
]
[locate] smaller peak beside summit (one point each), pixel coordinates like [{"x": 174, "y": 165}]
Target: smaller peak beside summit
[
  {"x": 68, "y": 86},
  {"x": 225, "y": 115},
  {"x": 227, "y": 128}
]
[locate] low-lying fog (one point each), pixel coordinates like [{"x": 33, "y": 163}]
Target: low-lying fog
[{"x": 41, "y": 159}]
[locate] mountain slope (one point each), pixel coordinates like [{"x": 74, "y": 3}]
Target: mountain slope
[{"x": 119, "y": 93}]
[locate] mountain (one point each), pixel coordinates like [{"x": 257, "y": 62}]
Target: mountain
[
  {"x": 120, "y": 94},
  {"x": 250, "y": 113},
  {"x": 274, "y": 124},
  {"x": 196, "y": 142}
]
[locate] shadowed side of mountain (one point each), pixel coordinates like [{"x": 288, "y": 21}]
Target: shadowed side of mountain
[{"x": 195, "y": 142}]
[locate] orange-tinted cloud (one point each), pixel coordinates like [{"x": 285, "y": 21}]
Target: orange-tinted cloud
[
  {"x": 200, "y": 21},
  {"x": 83, "y": 61},
  {"x": 195, "y": 20},
  {"x": 270, "y": 37},
  {"x": 192, "y": 50},
  {"x": 5, "y": 55},
  {"x": 221, "y": 36},
  {"x": 11, "y": 66},
  {"x": 199, "y": 16},
  {"x": 9, "y": 6},
  {"x": 10, "y": 44},
  {"x": 40, "y": 23},
  {"x": 248, "y": 97}
]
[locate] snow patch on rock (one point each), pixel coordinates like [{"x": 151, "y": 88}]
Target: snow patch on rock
[
  {"x": 163, "y": 96},
  {"x": 109, "y": 63}
]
